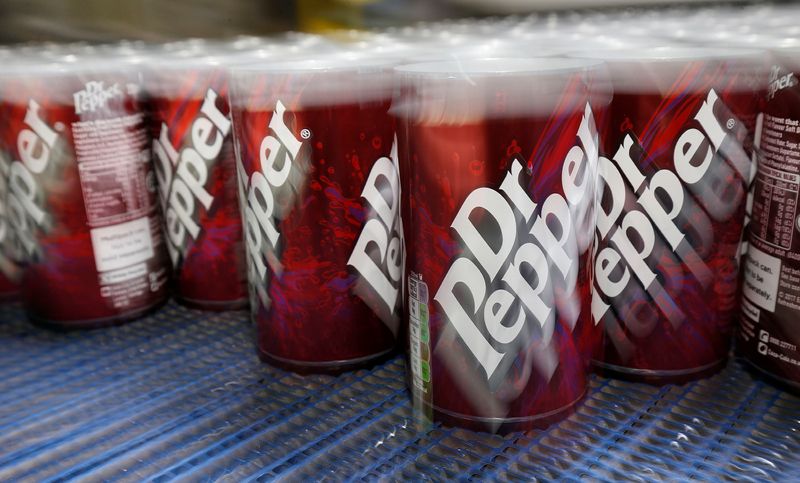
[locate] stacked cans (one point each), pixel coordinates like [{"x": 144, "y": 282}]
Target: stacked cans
[{"x": 515, "y": 202}]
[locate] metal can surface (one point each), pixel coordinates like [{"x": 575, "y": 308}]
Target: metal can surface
[
  {"x": 498, "y": 164},
  {"x": 318, "y": 186},
  {"x": 82, "y": 201},
  {"x": 196, "y": 170},
  {"x": 675, "y": 172},
  {"x": 770, "y": 310}
]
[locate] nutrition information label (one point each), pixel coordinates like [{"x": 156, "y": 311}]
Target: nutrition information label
[
  {"x": 419, "y": 346},
  {"x": 777, "y": 183},
  {"x": 771, "y": 284},
  {"x": 112, "y": 156}
]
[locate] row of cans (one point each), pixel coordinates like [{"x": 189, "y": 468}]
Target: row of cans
[{"x": 515, "y": 201}]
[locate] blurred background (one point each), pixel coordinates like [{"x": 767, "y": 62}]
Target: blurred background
[{"x": 156, "y": 20}]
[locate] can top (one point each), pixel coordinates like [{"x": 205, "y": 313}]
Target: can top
[
  {"x": 490, "y": 67},
  {"x": 340, "y": 78},
  {"x": 168, "y": 74},
  {"x": 772, "y": 44},
  {"x": 482, "y": 48},
  {"x": 61, "y": 65},
  {"x": 655, "y": 70},
  {"x": 58, "y": 77},
  {"x": 466, "y": 91},
  {"x": 336, "y": 62},
  {"x": 668, "y": 54}
]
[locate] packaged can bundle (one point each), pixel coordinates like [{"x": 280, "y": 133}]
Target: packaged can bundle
[
  {"x": 196, "y": 170},
  {"x": 676, "y": 165},
  {"x": 319, "y": 190},
  {"x": 498, "y": 161},
  {"x": 81, "y": 192},
  {"x": 769, "y": 333}
]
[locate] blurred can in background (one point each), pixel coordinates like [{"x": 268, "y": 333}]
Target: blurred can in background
[
  {"x": 82, "y": 194},
  {"x": 196, "y": 170},
  {"x": 769, "y": 333}
]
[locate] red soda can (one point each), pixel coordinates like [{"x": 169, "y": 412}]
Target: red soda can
[
  {"x": 769, "y": 331},
  {"x": 498, "y": 165},
  {"x": 674, "y": 175},
  {"x": 81, "y": 192},
  {"x": 319, "y": 190},
  {"x": 196, "y": 170}
]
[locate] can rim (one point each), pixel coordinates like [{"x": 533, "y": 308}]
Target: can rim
[
  {"x": 69, "y": 64},
  {"x": 494, "y": 66},
  {"x": 670, "y": 53},
  {"x": 343, "y": 62}
]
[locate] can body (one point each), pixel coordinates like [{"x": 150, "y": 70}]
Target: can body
[
  {"x": 82, "y": 201},
  {"x": 319, "y": 193},
  {"x": 494, "y": 206},
  {"x": 674, "y": 187},
  {"x": 770, "y": 312},
  {"x": 196, "y": 169}
]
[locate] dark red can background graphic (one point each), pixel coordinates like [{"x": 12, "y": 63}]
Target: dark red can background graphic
[
  {"x": 319, "y": 192},
  {"x": 770, "y": 308},
  {"x": 675, "y": 170},
  {"x": 498, "y": 269},
  {"x": 196, "y": 167},
  {"x": 82, "y": 200},
  {"x": 9, "y": 290}
]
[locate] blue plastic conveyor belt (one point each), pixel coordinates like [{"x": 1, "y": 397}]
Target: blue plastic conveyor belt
[{"x": 181, "y": 395}]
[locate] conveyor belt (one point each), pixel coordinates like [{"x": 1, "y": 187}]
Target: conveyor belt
[{"x": 181, "y": 395}]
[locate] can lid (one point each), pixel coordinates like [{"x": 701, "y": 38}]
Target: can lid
[
  {"x": 655, "y": 70},
  {"x": 341, "y": 78},
  {"x": 166, "y": 75},
  {"x": 466, "y": 91},
  {"x": 669, "y": 53},
  {"x": 491, "y": 67},
  {"x": 57, "y": 79},
  {"x": 67, "y": 64},
  {"x": 309, "y": 63},
  {"x": 770, "y": 43}
]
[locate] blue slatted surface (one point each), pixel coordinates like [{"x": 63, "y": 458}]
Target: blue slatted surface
[{"x": 181, "y": 395}]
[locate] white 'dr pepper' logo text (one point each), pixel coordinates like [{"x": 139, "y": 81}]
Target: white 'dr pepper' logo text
[
  {"x": 183, "y": 177},
  {"x": 519, "y": 266},
  {"x": 95, "y": 96},
  {"x": 259, "y": 194},
  {"x": 378, "y": 254},
  {"x": 657, "y": 226},
  {"x": 26, "y": 210}
]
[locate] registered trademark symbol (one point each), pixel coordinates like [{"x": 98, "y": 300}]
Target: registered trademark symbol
[
  {"x": 731, "y": 123},
  {"x": 305, "y": 134},
  {"x": 59, "y": 126}
]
